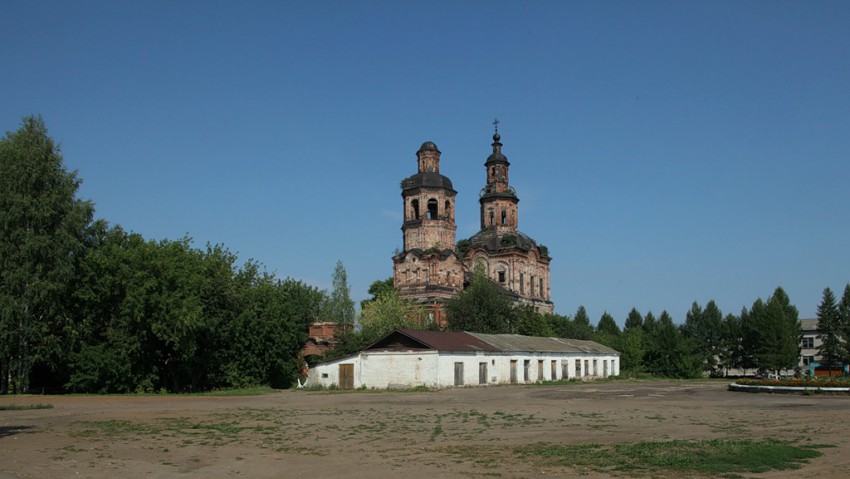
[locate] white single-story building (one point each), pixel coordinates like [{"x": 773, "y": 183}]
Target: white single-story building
[{"x": 408, "y": 358}]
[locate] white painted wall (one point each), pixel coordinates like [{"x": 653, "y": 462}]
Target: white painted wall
[{"x": 407, "y": 369}]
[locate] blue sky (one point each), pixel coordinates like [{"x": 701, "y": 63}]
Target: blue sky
[{"x": 665, "y": 152}]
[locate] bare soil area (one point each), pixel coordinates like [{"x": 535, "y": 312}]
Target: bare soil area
[{"x": 469, "y": 432}]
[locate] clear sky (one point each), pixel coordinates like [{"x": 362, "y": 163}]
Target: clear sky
[{"x": 665, "y": 152}]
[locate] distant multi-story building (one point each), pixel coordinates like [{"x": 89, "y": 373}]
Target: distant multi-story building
[
  {"x": 809, "y": 342},
  {"x": 432, "y": 268},
  {"x": 810, "y": 359}
]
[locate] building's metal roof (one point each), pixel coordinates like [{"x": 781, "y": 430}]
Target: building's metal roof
[
  {"x": 516, "y": 343},
  {"x": 809, "y": 325},
  {"x": 450, "y": 341}
]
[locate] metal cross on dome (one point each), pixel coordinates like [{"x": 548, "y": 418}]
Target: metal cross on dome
[{"x": 496, "y": 124}]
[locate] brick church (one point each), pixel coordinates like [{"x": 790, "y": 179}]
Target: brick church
[{"x": 432, "y": 268}]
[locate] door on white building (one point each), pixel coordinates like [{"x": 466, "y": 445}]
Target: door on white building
[
  {"x": 482, "y": 373},
  {"x": 513, "y": 371},
  {"x": 346, "y": 376},
  {"x": 458, "y": 374}
]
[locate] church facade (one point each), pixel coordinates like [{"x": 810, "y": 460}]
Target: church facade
[{"x": 432, "y": 267}]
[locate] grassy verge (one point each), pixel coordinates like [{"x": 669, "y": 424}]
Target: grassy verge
[
  {"x": 793, "y": 382},
  {"x": 24, "y": 407},
  {"x": 716, "y": 457},
  {"x": 335, "y": 390},
  {"x": 249, "y": 391}
]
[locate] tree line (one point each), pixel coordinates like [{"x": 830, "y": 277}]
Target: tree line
[
  {"x": 763, "y": 337},
  {"x": 86, "y": 306}
]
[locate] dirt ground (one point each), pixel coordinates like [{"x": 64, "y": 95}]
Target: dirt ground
[{"x": 450, "y": 433}]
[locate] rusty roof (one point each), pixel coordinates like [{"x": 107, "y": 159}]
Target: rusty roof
[
  {"x": 449, "y": 341},
  {"x": 516, "y": 343},
  {"x": 452, "y": 341}
]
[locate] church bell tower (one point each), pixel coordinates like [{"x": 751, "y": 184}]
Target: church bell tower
[{"x": 427, "y": 270}]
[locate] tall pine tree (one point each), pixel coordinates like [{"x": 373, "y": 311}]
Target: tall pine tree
[
  {"x": 830, "y": 350},
  {"x": 844, "y": 321}
]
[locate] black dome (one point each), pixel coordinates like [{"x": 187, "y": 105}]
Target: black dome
[
  {"x": 429, "y": 146},
  {"x": 427, "y": 179}
]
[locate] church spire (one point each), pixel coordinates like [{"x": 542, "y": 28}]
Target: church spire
[{"x": 498, "y": 199}]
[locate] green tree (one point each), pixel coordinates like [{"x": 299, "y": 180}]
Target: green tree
[
  {"x": 261, "y": 344},
  {"x": 481, "y": 308},
  {"x": 632, "y": 349},
  {"x": 561, "y": 326},
  {"x": 731, "y": 350},
  {"x": 631, "y": 344},
  {"x": 42, "y": 230},
  {"x": 340, "y": 308},
  {"x": 377, "y": 289},
  {"x": 704, "y": 327},
  {"x": 771, "y": 333},
  {"x": 581, "y": 324},
  {"x": 388, "y": 312},
  {"x": 607, "y": 325},
  {"x": 531, "y": 323},
  {"x": 634, "y": 320},
  {"x": 669, "y": 353},
  {"x": 108, "y": 351},
  {"x": 787, "y": 318},
  {"x": 607, "y": 331},
  {"x": 163, "y": 315},
  {"x": 649, "y": 322},
  {"x": 829, "y": 328},
  {"x": 844, "y": 321}
]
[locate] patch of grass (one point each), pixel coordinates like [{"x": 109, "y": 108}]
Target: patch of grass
[
  {"x": 333, "y": 389},
  {"x": 249, "y": 391},
  {"x": 714, "y": 457},
  {"x": 438, "y": 429},
  {"x": 246, "y": 391},
  {"x": 24, "y": 407}
]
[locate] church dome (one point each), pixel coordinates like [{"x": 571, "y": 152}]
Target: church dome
[
  {"x": 429, "y": 146},
  {"x": 428, "y": 180},
  {"x": 497, "y": 156}
]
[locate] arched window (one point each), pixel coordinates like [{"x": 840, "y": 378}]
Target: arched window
[
  {"x": 415, "y": 205},
  {"x": 504, "y": 216},
  {"x": 492, "y": 218},
  {"x": 448, "y": 209},
  {"x": 432, "y": 209}
]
